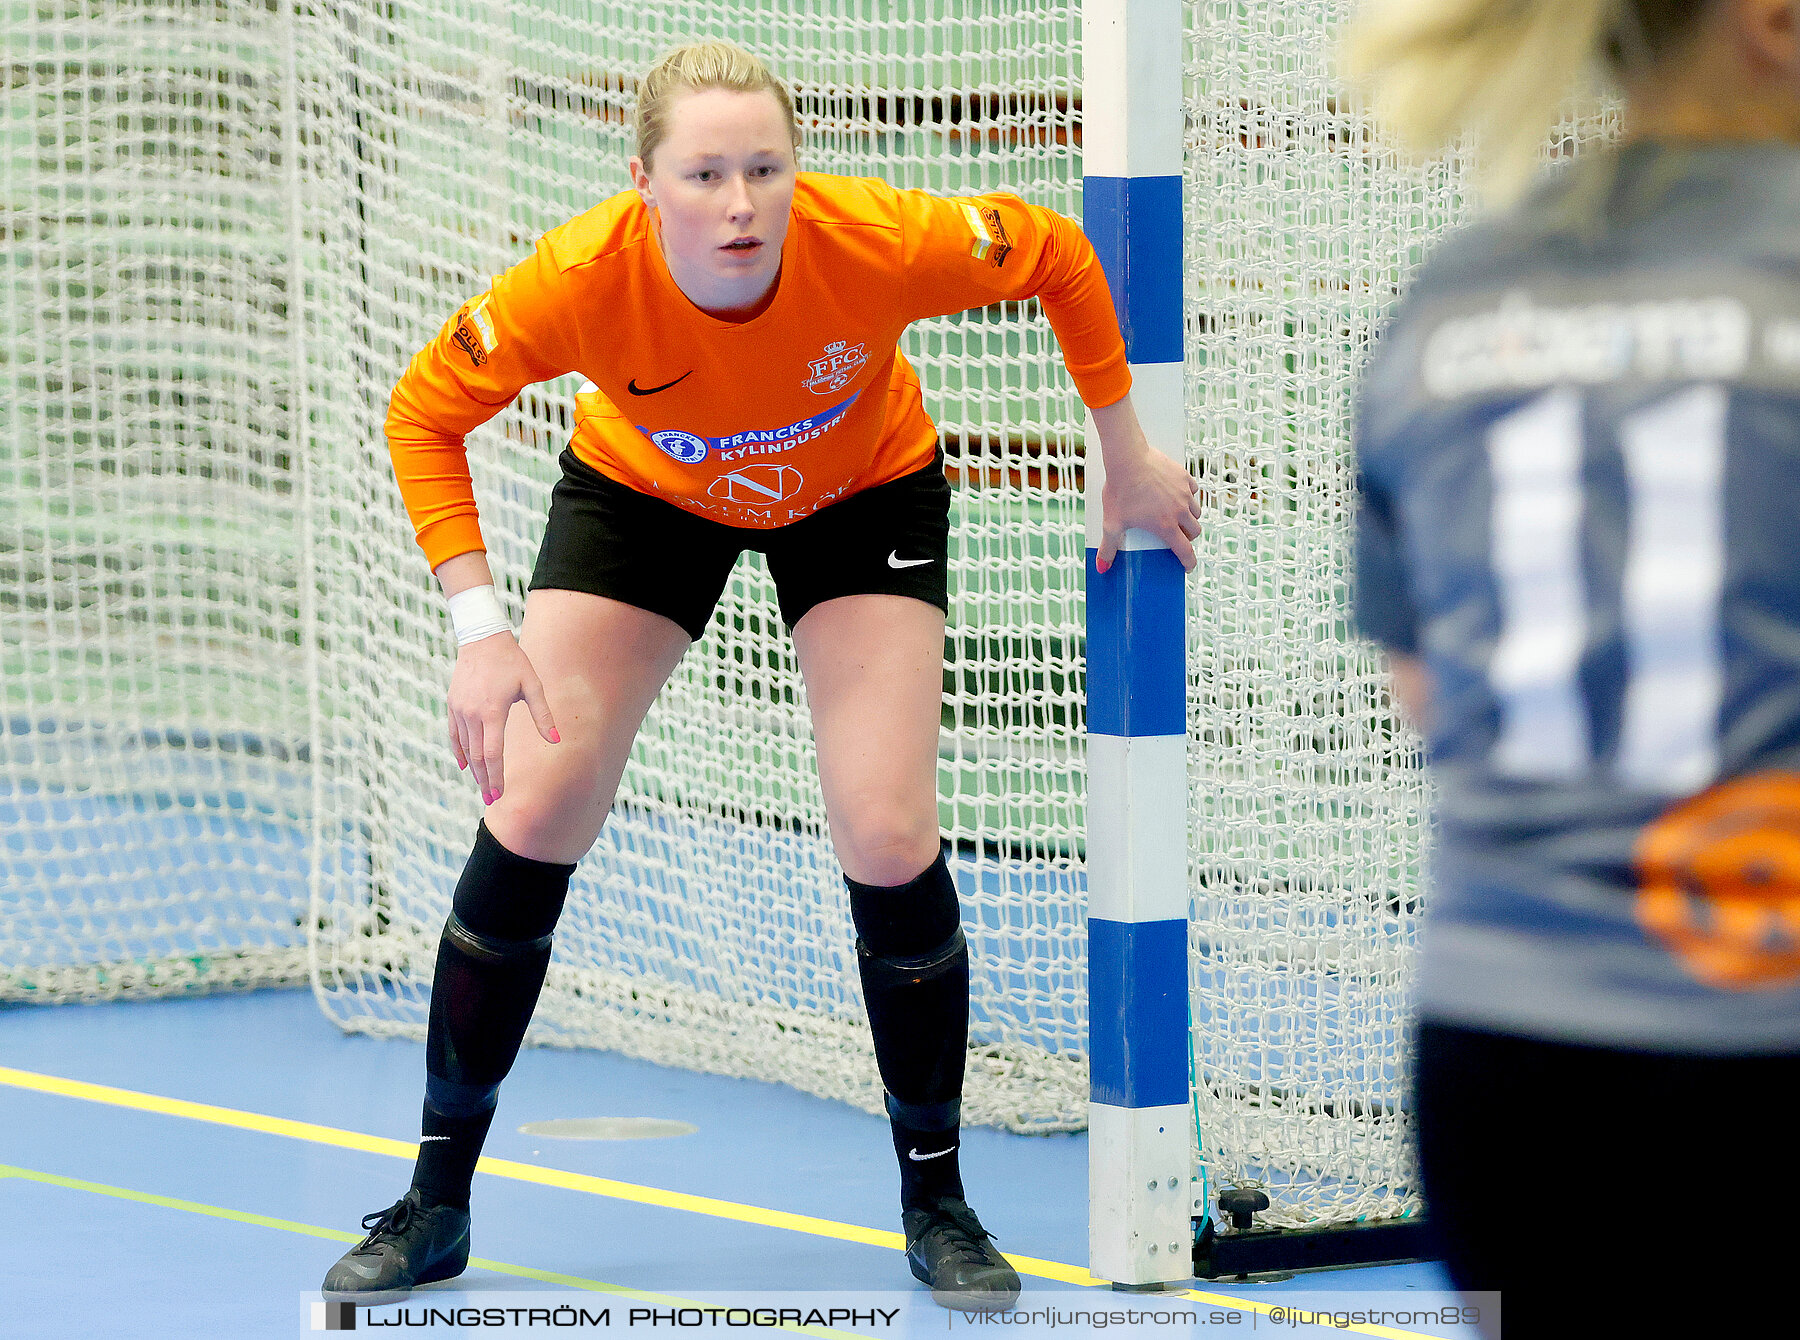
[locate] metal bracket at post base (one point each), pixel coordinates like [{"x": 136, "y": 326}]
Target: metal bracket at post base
[{"x": 1266, "y": 1251}]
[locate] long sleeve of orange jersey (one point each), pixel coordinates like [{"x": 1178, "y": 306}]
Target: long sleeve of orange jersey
[
  {"x": 974, "y": 250},
  {"x": 519, "y": 332}
]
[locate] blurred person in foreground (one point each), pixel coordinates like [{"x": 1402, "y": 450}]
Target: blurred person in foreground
[{"x": 1579, "y": 455}]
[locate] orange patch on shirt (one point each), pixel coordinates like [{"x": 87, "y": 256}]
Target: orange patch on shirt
[{"x": 1719, "y": 882}]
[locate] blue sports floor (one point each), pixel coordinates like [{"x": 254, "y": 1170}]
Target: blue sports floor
[{"x": 191, "y": 1168}]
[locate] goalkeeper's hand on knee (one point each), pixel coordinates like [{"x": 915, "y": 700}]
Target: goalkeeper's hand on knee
[{"x": 491, "y": 675}]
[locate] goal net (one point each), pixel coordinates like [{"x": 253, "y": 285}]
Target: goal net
[
  {"x": 1305, "y": 798},
  {"x": 231, "y": 222},
  {"x": 155, "y": 774}
]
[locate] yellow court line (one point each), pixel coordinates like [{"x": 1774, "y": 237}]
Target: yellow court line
[
  {"x": 598, "y": 1186},
  {"x": 518, "y": 1172},
  {"x": 338, "y": 1235}
]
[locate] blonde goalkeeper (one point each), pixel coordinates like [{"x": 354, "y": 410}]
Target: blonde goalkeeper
[{"x": 737, "y": 323}]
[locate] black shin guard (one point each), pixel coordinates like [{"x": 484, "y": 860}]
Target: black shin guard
[
  {"x": 914, "y": 965},
  {"x": 490, "y": 967}
]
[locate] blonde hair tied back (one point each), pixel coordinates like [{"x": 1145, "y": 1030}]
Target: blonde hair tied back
[
  {"x": 692, "y": 69},
  {"x": 1499, "y": 70}
]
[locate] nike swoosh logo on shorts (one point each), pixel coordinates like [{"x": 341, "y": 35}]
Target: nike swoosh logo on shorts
[
  {"x": 895, "y": 561},
  {"x": 635, "y": 389},
  {"x": 917, "y": 1157}
]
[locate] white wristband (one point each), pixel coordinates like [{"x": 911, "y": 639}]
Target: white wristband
[{"x": 477, "y": 613}]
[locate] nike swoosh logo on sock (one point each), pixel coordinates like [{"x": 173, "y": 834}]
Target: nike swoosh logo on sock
[
  {"x": 917, "y": 1157},
  {"x": 424, "y": 1138}
]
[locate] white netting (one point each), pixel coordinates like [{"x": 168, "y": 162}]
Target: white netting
[
  {"x": 1306, "y": 804},
  {"x": 224, "y": 660},
  {"x": 154, "y": 793}
]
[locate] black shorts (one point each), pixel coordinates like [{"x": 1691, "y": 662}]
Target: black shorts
[
  {"x": 1540, "y": 1158},
  {"x": 610, "y": 540}
]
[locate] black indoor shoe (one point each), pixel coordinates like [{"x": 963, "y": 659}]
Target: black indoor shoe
[
  {"x": 947, "y": 1248},
  {"x": 408, "y": 1244}
]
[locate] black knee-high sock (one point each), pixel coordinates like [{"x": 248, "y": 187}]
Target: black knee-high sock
[
  {"x": 490, "y": 967},
  {"x": 915, "y": 976}
]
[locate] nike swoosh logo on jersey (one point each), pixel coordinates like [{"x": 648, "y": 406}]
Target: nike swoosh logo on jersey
[
  {"x": 917, "y": 1157},
  {"x": 895, "y": 561},
  {"x": 635, "y": 389}
]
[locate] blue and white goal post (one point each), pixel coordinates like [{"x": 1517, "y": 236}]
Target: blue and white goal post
[{"x": 1143, "y": 1198}]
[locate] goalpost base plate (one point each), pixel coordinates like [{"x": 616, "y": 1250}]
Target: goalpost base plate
[{"x": 1266, "y": 1251}]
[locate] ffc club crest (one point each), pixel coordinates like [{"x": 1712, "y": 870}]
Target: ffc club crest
[{"x": 835, "y": 367}]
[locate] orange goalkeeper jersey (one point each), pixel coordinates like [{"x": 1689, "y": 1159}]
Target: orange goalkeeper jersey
[{"x": 755, "y": 423}]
